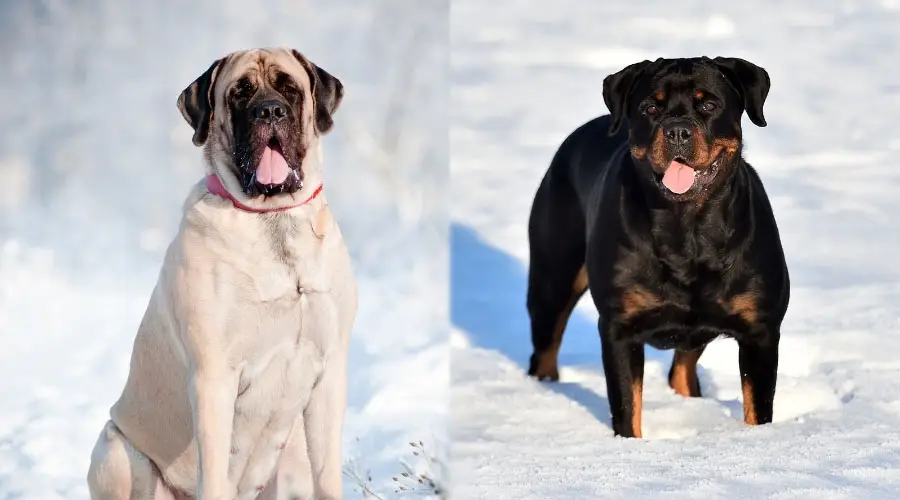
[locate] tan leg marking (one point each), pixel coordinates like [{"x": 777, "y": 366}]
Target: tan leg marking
[
  {"x": 637, "y": 398},
  {"x": 547, "y": 360},
  {"x": 684, "y": 373},
  {"x": 749, "y": 408}
]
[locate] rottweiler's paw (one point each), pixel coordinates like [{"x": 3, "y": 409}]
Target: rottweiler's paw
[{"x": 543, "y": 369}]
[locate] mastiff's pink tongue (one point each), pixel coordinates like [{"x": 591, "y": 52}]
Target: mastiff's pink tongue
[
  {"x": 678, "y": 177},
  {"x": 273, "y": 168}
]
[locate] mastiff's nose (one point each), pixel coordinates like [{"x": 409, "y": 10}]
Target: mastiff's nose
[
  {"x": 270, "y": 111},
  {"x": 678, "y": 133}
]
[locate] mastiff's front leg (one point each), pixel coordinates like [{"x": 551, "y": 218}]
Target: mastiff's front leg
[
  {"x": 323, "y": 422},
  {"x": 293, "y": 479},
  {"x": 213, "y": 381},
  {"x": 212, "y": 394}
]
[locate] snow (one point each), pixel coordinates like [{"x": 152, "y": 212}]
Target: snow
[
  {"x": 525, "y": 75},
  {"x": 96, "y": 161}
]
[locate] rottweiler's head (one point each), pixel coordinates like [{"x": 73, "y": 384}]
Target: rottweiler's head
[{"x": 684, "y": 118}]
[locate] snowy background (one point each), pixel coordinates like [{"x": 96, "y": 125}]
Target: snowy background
[
  {"x": 95, "y": 161},
  {"x": 524, "y": 75}
]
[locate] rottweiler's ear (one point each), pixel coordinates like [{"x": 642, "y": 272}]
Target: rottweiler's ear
[
  {"x": 751, "y": 81},
  {"x": 196, "y": 102},
  {"x": 327, "y": 92},
  {"x": 617, "y": 90}
]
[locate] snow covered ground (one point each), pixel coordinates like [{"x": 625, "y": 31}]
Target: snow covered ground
[
  {"x": 524, "y": 74},
  {"x": 95, "y": 161}
]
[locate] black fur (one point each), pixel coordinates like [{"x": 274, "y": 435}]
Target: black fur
[
  {"x": 328, "y": 92},
  {"x": 196, "y": 102},
  {"x": 672, "y": 271},
  {"x": 252, "y": 135}
]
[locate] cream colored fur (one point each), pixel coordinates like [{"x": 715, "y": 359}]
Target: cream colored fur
[{"x": 237, "y": 387}]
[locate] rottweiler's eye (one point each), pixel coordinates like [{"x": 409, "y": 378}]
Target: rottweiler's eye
[
  {"x": 708, "y": 107},
  {"x": 651, "y": 110}
]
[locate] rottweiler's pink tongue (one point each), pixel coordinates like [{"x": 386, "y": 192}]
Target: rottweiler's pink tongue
[
  {"x": 678, "y": 177},
  {"x": 273, "y": 168}
]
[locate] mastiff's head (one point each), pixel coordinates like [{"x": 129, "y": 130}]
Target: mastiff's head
[
  {"x": 684, "y": 118},
  {"x": 259, "y": 115}
]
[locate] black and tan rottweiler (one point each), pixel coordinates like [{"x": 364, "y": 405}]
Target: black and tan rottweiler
[{"x": 654, "y": 206}]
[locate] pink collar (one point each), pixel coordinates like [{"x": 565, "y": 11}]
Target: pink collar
[{"x": 214, "y": 185}]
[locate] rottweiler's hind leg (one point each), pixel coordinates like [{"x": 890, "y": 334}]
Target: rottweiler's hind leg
[{"x": 557, "y": 277}]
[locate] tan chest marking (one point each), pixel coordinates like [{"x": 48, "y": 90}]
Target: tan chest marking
[
  {"x": 638, "y": 299},
  {"x": 743, "y": 305}
]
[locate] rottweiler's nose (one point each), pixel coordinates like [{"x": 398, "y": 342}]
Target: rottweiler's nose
[
  {"x": 678, "y": 134},
  {"x": 270, "y": 111}
]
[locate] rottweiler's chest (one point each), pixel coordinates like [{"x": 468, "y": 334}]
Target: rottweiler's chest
[{"x": 683, "y": 304}]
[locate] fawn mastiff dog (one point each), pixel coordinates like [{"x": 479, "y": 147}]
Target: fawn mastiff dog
[{"x": 237, "y": 387}]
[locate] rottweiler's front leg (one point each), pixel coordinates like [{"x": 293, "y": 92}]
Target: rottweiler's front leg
[
  {"x": 758, "y": 362},
  {"x": 623, "y": 363}
]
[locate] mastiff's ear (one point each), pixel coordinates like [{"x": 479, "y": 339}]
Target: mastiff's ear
[
  {"x": 617, "y": 90},
  {"x": 752, "y": 83},
  {"x": 327, "y": 92},
  {"x": 196, "y": 102}
]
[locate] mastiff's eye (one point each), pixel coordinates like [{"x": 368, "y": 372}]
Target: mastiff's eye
[
  {"x": 242, "y": 91},
  {"x": 290, "y": 90},
  {"x": 708, "y": 107},
  {"x": 286, "y": 85}
]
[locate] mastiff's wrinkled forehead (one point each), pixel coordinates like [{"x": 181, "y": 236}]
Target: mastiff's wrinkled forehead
[{"x": 259, "y": 113}]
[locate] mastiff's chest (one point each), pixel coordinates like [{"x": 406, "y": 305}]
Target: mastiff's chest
[
  {"x": 282, "y": 361},
  {"x": 275, "y": 387}
]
